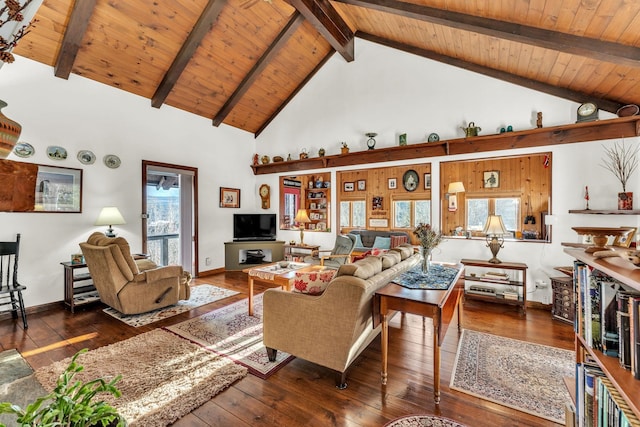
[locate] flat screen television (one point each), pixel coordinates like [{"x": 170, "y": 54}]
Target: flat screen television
[{"x": 254, "y": 227}]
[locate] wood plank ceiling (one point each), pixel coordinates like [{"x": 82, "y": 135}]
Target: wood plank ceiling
[{"x": 240, "y": 62}]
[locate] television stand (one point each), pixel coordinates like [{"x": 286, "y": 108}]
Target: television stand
[{"x": 252, "y": 253}]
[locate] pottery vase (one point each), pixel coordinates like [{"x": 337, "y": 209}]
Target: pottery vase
[
  {"x": 625, "y": 201},
  {"x": 344, "y": 150},
  {"x": 9, "y": 133}
]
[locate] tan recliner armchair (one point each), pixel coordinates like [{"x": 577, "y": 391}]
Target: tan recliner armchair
[{"x": 122, "y": 285}]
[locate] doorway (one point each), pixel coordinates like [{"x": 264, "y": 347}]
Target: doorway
[{"x": 170, "y": 214}]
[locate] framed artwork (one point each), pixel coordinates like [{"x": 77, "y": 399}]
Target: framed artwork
[
  {"x": 229, "y": 197},
  {"x": 376, "y": 203},
  {"x": 393, "y": 184},
  {"x": 491, "y": 179},
  {"x": 427, "y": 181},
  {"x": 348, "y": 186},
  {"x": 402, "y": 139},
  {"x": 58, "y": 189},
  {"x": 625, "y": 239},
  {"x": 362, "y": 185}
]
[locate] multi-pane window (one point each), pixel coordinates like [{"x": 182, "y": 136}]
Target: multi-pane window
[
  {"x": 479, "y": 209},
  {"x": 410, "y": 213},
  {"x": 352, "y": 213}
]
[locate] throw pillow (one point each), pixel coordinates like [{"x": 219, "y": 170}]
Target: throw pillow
[
  {"x": 398, "y": 240},
  {"x": 358, "y": 241},
  {"x": 382, "y": 242},
  {"x": 312, "y": 283}
]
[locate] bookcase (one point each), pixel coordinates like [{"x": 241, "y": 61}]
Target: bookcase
[{"x": 596, "y": 353}]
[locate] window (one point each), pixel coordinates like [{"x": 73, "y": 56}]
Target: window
[
  {"x": 352, "y": 213},
  {"x": 479, "y": 209},
  {"x": 410, "y": 213}
]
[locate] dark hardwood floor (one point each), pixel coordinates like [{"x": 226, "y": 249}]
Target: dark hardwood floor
[{"x": 301, "y": 393}]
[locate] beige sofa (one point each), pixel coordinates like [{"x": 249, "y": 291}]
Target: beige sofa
[
  {"x": 128, "y": 286},
  {"x": 332, "y": 329}
]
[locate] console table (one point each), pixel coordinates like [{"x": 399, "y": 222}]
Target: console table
[{"x": 439, "y": 305}]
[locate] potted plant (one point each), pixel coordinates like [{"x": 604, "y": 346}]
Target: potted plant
[
  {"x": 622, "y": 161},
  {"x": 71, "y": 403}
]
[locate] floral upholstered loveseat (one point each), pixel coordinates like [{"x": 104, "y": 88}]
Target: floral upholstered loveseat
[{"x": 331, "y": 329}]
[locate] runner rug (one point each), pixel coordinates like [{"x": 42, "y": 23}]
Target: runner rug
[
  {"x": 200, "y": 295},
  {"x": 164, "y": 377},
  {"x": 521, "y": 375},
  {"x": 231, "y": 332}
]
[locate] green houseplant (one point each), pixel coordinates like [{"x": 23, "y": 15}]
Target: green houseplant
[{"x": 71, "y": 403}]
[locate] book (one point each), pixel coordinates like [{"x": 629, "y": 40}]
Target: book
[{"x": 608, "y": 312}]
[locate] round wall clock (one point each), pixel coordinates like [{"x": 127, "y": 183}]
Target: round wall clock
[{"x": 410, "y": 180}]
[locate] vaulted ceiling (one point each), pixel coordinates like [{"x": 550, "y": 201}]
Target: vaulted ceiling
[{"x": 240, "y": 62}]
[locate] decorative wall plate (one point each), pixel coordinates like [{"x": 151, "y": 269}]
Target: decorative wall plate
[
  {"x": 433, "y": 137},
  {"x": 112, "y": 161},
  {"x": 86, "y": 157},
  {"x": 24, "y": 150},
  {"x": 410, "y": 180},
  {"x": 56, "y": 153}
]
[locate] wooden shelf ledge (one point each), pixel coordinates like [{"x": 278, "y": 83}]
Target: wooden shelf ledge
[{"x": 622, "y": 127}]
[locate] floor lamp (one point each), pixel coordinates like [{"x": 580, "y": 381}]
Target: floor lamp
[{"x": 302, "y": 218}]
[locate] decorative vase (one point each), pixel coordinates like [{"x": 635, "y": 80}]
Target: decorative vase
[
  {"x": 9, "y": 133},
  {"x": 426, "y": 259},
  {"x": 344, "y": 150},
  {"x": 625, "y": 201}
]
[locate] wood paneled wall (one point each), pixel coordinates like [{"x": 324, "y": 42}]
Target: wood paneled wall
[
  {"x": 376, "y": 182},
  {"x": 527, "y": 177}
]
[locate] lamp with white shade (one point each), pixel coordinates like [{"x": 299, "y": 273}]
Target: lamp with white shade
[
  {"x": 453, "y": 190},
  {"x": 302, "y": 218},
  {"x": 110, "y": 216},
  {"x": 495, "y": 230}
]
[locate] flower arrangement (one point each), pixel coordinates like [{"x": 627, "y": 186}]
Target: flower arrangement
[
  {"x": 12, "y": 11},
  {"x": 429, "y": 237},
  {"x": 621, "y": 161},
  {"x": 344, "y": 144}
]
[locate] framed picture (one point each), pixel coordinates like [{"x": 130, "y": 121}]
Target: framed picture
[
  {"x": 58, "y": 189},
  {"x": 625, "y": 239},
  {"x": 376, "y": 203},
  {"x": 362, "y": 185},
  {"x": 402, "y": 139},
  {"x": 348, "y": 186},
  {"x": 393, "y": 184},
  {"x": 491, "y": 179},
  {"x": 427, "y": 181},
  {"x": 229, "y": 197}
]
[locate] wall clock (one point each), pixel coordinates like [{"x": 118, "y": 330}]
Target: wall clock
[
  {"x": 587, "y": 112},
  {"x": 264, "y": 195},
  {"x": 410, "y": 180}
]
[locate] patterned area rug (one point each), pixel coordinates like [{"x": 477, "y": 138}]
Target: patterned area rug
[
  {"x": 423, "y": 421},
  {"x": 200, "y": 295},
  {"x": 164, "y": 377},
  {"x": 521, "y": 375},
  {"x": 231, "y": 332}
]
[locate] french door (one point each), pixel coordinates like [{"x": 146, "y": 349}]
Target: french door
[{"x": 170, "y": 214}]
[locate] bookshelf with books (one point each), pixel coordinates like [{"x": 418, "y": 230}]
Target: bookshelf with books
[{"x": 607, "y": 323}]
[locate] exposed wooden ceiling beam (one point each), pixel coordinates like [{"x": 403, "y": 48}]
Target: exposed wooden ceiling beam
[
  {"x": 583, "y": 46},
  {"x": 203, "y": 26},
  {"x": 296, "y": 20},
  {"x": 604, "y": 104},
  {"x": 78, "y": 22},
  {"x": 295, "y": 92},
  {"x": 328, "y": 22}
]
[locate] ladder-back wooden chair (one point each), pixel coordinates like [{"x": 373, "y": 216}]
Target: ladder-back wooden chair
[{"x": 10, "y": 289}]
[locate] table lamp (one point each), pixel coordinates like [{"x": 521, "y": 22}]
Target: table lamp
[
  {"x": 494, "y": 229},
  {"x": 302, "y": 218},
  {"x": 110, "y": 216},
  {"x": 453, "y": 190}
]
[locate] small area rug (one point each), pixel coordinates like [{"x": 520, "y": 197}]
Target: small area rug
[
  {"x": 231, "y": 332},
  {"x": 164, "y": 377},
  {"x": 200, "y": 295},
  {"x": 521, "y": 375},
  {"x": 423, "y": 421}
]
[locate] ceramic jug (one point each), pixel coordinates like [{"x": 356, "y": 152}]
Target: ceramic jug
[{"x": 471, "y": 130}]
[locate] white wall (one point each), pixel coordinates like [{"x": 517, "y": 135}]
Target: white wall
[
  {"x": 382, "y": 91},
  {"x": 391, "y": 92}
]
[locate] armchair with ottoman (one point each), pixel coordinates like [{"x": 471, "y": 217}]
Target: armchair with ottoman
[
  {"x": 130, "y": 286},
  {"x": 331, "y": 329}
]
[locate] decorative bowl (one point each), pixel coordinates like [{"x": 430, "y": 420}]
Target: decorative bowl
[{"x": 283, "y": 264}]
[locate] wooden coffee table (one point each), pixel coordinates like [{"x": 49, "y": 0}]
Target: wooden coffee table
[{"x": 284, "y": 279}]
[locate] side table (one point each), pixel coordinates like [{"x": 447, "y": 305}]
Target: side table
[
  {"x": 78, "y": 285},
  {"x": 297, "y": 252}
]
